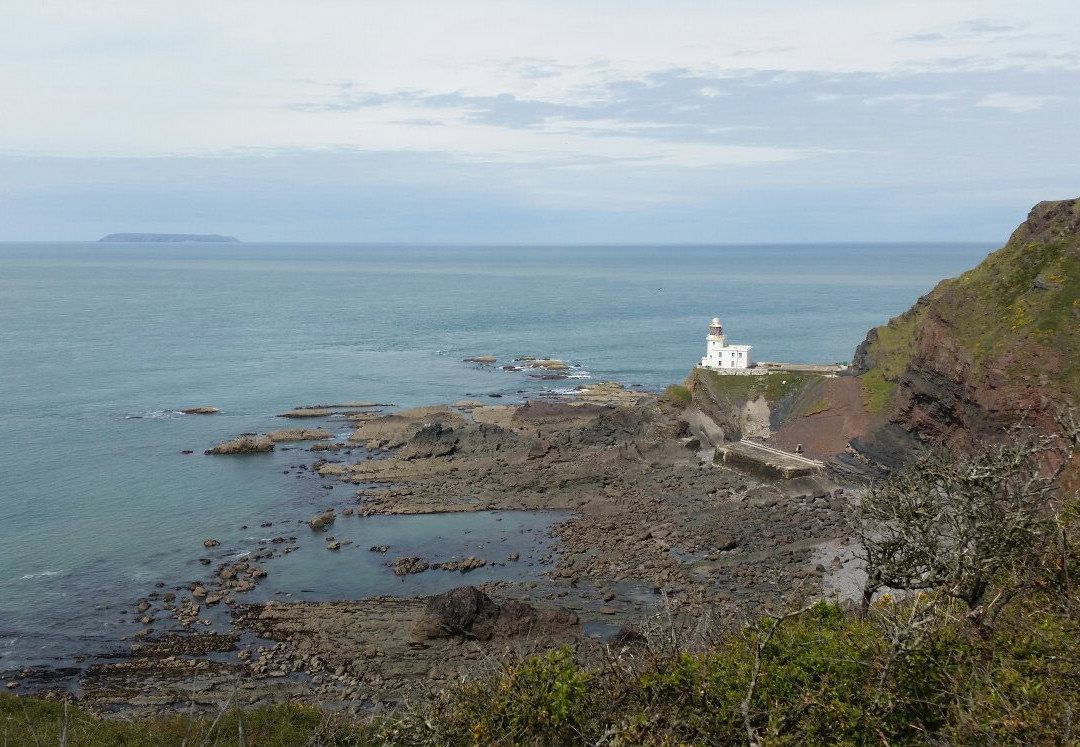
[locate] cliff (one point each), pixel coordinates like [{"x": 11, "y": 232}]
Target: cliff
[{"x": 998, "y": 345}]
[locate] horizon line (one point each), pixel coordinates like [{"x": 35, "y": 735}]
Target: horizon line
[{"x": 513, "y": 244}]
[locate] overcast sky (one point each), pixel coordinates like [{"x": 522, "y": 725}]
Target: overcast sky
[{"x": 553, "y": 121}]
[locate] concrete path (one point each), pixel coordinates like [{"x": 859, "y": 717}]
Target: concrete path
[{"x": 767, "y": 461}]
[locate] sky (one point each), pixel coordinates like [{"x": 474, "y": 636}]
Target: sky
[{"x": 491, "y": 121}]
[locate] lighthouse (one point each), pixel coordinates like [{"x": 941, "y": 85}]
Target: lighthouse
[{"x": 721, "y": 356}]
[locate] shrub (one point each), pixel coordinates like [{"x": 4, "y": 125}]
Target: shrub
[{"x": 678, "y": 395}]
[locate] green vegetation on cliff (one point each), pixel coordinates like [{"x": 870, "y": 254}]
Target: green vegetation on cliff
[
  {"x": 1026, "y": 295},
  {"x": 877, "y": 391},
  {"x": 678, "y": 395},
  {"x": 1018, "y": 311},
  {"x": 739, "y": 389}
]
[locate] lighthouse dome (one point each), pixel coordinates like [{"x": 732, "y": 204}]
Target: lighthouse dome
[{"x": 715, "y": 322}]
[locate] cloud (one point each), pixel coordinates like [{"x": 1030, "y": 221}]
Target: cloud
[
  {"x": 567, "y": 106},
  {"x": 988, "y": 26},
  {"x": 1015, "y": 103},
  {"x": 912, "y": 98},
  {"x": 927, "y": 37}
]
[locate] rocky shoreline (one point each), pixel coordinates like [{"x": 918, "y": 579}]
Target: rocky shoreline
[{"x": 653, "y": 524}]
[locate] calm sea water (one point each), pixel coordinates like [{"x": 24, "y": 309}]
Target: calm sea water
[{"x": 100, "y": 344}]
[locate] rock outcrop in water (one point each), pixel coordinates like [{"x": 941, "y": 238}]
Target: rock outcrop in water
[
  {"x": 392, "y": 431},
  {"x": 243, "y": 445},
  {"x": 299, "y": 434},
  {"x": 998, "y": 345}
]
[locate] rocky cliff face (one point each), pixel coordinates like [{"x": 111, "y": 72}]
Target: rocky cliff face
[{"x": 996, "y": 346}]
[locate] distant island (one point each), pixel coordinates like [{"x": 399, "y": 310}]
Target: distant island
[{"x": 168, "y": 238}]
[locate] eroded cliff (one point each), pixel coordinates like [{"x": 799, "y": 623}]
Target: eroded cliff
[{"x": 998, "y": 345}]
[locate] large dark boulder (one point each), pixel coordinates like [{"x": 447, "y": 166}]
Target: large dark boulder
[
  {"x": 467, "y": 611},
  {"x": 464, "y": 611},
  {"x": 432, "y": 440}
]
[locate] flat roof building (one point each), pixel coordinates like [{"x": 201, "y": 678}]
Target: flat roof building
[{"x": 721, "y": 356}]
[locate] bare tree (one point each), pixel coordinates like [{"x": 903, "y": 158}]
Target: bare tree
[{"x": 953, "y": 525}]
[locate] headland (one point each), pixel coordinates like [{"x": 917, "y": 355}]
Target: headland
[{"x": 167, "y": 238}]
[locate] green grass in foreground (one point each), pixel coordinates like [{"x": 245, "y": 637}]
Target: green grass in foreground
[
  {"x": 29, "y": 721},
  {"x": 827, "y": 677}
]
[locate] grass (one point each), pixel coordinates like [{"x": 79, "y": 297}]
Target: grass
[
  {"x": 877, "y": 391},
  {"x": 895, "y": 344},
  {"x": 775, "y": 387},
  {"x": 779, "y": 386},
  {"x": 32, "y": 721},
  {"x": 818, "y": 407},
  {"x": 678, "y": 395}
]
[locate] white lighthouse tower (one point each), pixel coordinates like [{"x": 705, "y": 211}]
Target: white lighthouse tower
[{"x": 721, "y": 356}]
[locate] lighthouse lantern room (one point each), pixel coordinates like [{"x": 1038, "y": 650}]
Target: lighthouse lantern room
[{"x": 721, "y": 356}]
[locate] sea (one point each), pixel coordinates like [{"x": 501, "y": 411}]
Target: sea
[{"x": 101, "y": 346}]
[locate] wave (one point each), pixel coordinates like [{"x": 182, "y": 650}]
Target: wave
[
  {"x": 40, "y": 574},
  {"x": 154, "y": 415}
]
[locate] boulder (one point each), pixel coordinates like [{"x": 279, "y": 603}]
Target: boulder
[
  {"x": 464, "y": 611},
  {"x": 432, "y": 440},
  {"x": 481, "y": 359},
  {"x": 550, "y": 364},
  {"x": 406, "y": 566},
  {"x": 467, "y": 611},
  {"x": 724, "y": 542},
  {"x": 200, "y": 410},
  {"x": 470, "y": 563},
  {"x": 322, "y": 521},
  {"x": 243, "y": 445}
]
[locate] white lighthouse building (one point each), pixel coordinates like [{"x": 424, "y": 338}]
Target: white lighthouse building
[{"x": 720, "y": 355}]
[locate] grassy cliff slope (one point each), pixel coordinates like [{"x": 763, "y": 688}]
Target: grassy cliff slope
[{"x": 996, "y": 345}]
